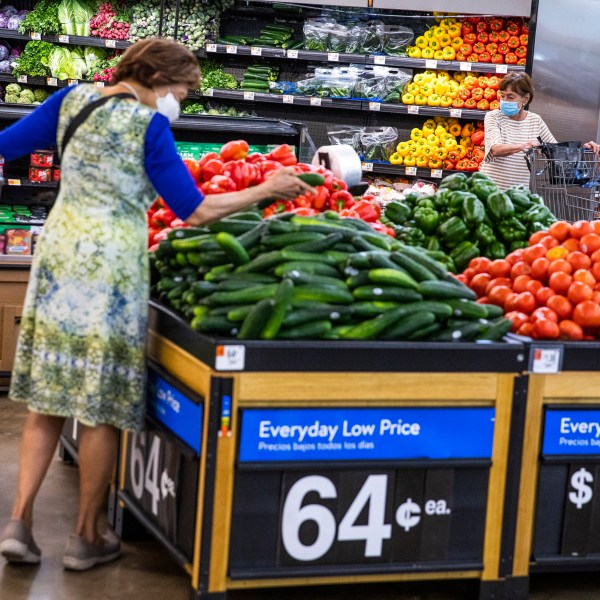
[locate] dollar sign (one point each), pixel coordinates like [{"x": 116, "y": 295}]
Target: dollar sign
[
  {"x": 584, "y": 491},
  {"x": 408, "y": 514}
]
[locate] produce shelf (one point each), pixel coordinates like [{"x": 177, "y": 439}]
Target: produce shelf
[
  {"x": 430, "y": 111},
  {"x": 444, "y": 65},
  {"x": 15, "y": 261},
  {"x": 15, "y": 182},
  {"x": 250, "y": 126},
  {"x": 76, "y": 40},
  {"x": 343, "y": 356},
  {"x": 402, "y": 171}
]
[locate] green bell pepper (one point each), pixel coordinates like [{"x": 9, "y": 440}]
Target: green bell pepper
[
  {"x": 453, "y": 231},
  {"x": 456, "y": 181},
  {"x": 398, "y": 212},
  {"x": 411, "y": 198},
  {"x": 537, "y": 199},
  {"x": 500, "y": 206},
  {"x": 432, "y": 243},
  {"x": 413, "y": 236},
  {"x": 518, "y": 245},
  {"x": 496, "y": 250},
  {"x": 448, "y": 263},
  {"x": 463, "y": 254},
  {"x": 473, "y": 211},
  {"x": 483, "y": 188},
  {"x": 536, "y": 226},
  {"x": 427, "y": 219},
  {"x": 512, "y": 230},
  {"x": 426, "y": 202},
  {"x": 485, "y": 234},
  {"x": 541, "y": 214},
  {"x": 442, "y": 199},
  {"x": 519, "y": 196}
]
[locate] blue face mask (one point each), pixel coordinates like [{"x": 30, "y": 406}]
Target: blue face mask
[{"x": 510, "y": 109}]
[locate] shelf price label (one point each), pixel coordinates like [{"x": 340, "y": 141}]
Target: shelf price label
[
  {"x": 287, "y": 99},
  {"x": 546, "y": 360},
  {"x": 411, "y": 170},
  {"x": 211, "y": 47},
  {"x": 379, "y": 60},
  {"x": 231, "y": 49},
  {"x": 248, "y": 95},
  {"x": 99, "y": 83},
  {"x": 436, "y": 173},
  {"x": 375, "y": 106},
  {"x": 501, "y": 68},
  {"x": 35, "y": 36},
  {"x": 456, "y": 113},
  {"x": 431, "y": 64},
  {"x": 13, "y": 181},
  {"x": 63, "y": 39},
  {"x": 52, "y": 81},
  {"x": 413, "y": 109},
  {"x": 333, "y": 56},
  {"x": 465, "y": 66},
  {"x": 208, "y": 92},
  {"x": 22, "y": 78},
  {"x": 110, "y": 43},
  {"x": 292, "y": 53},
  {"x": 256, "y": 51},
  {"x": 314, "y": 101},
  {"x": 230, "y": 358},
  {"x": 72, "y": 82},
  {"x": 367, "y": 166}
]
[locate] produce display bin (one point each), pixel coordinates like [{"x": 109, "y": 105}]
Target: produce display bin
[
  {"x": 559, "y": 496},
  {"x": 271, "y": 464}
]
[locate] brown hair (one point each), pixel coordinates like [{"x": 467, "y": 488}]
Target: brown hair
[
  {"x": 158, "y": 62},
  {"x": 518, "y": 82}
]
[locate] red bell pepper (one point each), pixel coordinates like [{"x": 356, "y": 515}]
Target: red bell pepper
[
  {"x": 304, "y": 201},
  {"x": 267, "y": 166},
  {"x": 207, "y": 157},
  {"x": 255, "y": 157},
  {"x": 477, "y": 137},
  {"x": 161, "y": 235},
  {"x": 333, "y": 184},
  {"x": 212, "y": 167},
  {"x": 462, "y": 165},
  {"x": 219, "y": 184},
  {"x": 284, "y": 155},
  {"x": 472, "y": 165},
  {"x": 321, "y": 197},
  {"x": 340, "y": 200},
  {"x": 162, "y": 217},
  {"x": 305, "y": 212},
  {"x": 379, "y": 227},
  {"x": 193, "y": 167},
  {"x": 278, "y": 207},
  {"x": 239, "y": 172},
  {"x": 234, "y": 150},
  {"x": 349, "y": 213},
  {"x": 368, "y": 211}
]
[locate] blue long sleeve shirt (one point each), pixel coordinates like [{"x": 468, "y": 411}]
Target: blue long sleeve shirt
[{"x": 164, "y": 167}]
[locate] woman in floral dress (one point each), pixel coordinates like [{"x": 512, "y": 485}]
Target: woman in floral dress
[{"x": 83, "y": 330}]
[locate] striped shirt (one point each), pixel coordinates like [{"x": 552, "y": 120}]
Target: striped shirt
[{"x": 511, "y": 170}]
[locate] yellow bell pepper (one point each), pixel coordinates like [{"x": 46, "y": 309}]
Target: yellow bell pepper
[
  {"x": 422, "y": 161},
  {"x": 414, "y": 52},
  {"x": 430, "y": 123},
  {"x": 445, "y": 40},
  {"x": 396, "y": 159},
  {"x": 455, "y": 129},
  {"x": 420, "y": 100},
  {"x": 413, "y": 88},
  {"x": 449, "y": 53},
  {"x": 403, "y": 149},
  {"x": 421, "y": 143},
  {"x": 434, "y": 100},
  {"x": 454, "y": 31},
  {"x": 416, "y": 134},
  {"x": 457, "y": 42},
  {"x": 441, "y": 87},
  {"x": 419, "y": 79},
  {"x": 443, "y": 76},
  {"x": 408, "y": 98},
  {"x": 462, "y": 149},
  {"x": 466, "y": 142},
  {"x": 468, "y": 130},
  {"x": 427, "y": 130},
  {"x": 410, "y": 161},
  {"x": 434, "y": 44},
  {"x": 459, "y": 76},
  {"x": 435, "y": 163},
  {"x": 427, "y": 151},
  {"x": 437, "y": 119},
  {"x": 442, "y": 153},
  {"x": 438, "y": 55},
  {"x": 446, "y": 100},
  {"x": 421, "y": 42},
  {"x": 439, "y": 31},
  {"x": 428, "y": 35},
  {"x": 450, "y": 143},
  {"x": 433, "y": 140},
  {"x": 427, "y": 89}
]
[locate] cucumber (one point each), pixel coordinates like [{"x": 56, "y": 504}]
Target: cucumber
[
  {"x": 255, "y": 86},
  {"x": 445, "y": 290},
  {"x": 429, "y": 263},
  {"x": 314, "y": 268},
  {"x": 340, "y": 258},
  {"x": 215, "y": 324},
  {"x": 372, "y": 328},
  {"x": 362, "y": 260},
  {"x": 282, "y": 301},
  {"x": 186, "y": 232},
  {"x": 386, "y": 293},
  {"x": 363, "y": 245},
  {"x": 462, "y": 331},
  {"x": 262, "y": 263},
  {"x": 181, "y": 259},
  {"x": 409, "y": 324},
  {"x": 425, "y": 333},
  {"x": 233, "y": 249},
  {"x": 289, "y": 239},
  {"x": 247, "y": 215},
  {"x": 245, "y": 296},
  {"x": 316, "y": 329},
  {"x": 356, "y": 223},
  {"x": 345, "y": 248},
  {"x": 493, "y": 311},
  {"x": 467, "y": 309},
  {"x": 280, "y": 225},
  {"x": 230, "y": 285},
  {"x": 293, "y": 255},
  {"x": 495, "y": 330},
  {"x": 177, "y": 292},
  {"x": 192, "y": 244},
  {"x": 441, "y": 310},
  {"x": 320, "y": 245},
  {"x": 355, "y": 281},
  {"x": 252, "y": 237},
  {"x": 164, "y": 248},
  {"x": 232, "y": 226},
  {"x": 200, "y": 311},
  {"x": 299, "y": 316},
  {"x": 378, "y": 241},
  {"x": 255, "y": 320},
  {"x": 168, "y": 283},
  {"x": 381, "y": 261},
  {"x": 393, "y": 277},
  {"x": 249, "y": 278},
  {"x": 417, "y": 270},
  {"x": 322, "y": 293},
  {"x": 239, "y": 313},
  {"x": 303, "y": 278},
  {"x": 312, "y": 179},
  {"x": 208, "y": 259},
  {"x": 190, "y": 298},
  {"x": 366, "y": 310},
  {"x": 319, "y": 225}
]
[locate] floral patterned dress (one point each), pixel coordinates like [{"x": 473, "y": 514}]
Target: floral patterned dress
[{"x": 82, "y": 341}]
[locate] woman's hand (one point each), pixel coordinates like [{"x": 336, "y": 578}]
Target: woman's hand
[
  {"x": 592, "y": 146},
  {"x": 285, "y": 185},
  {"x": 530, "y": 144}
]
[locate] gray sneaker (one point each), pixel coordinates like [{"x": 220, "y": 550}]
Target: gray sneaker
[
  {"x": 80, "y": 555},
  {"x": 17, "y": 544}
]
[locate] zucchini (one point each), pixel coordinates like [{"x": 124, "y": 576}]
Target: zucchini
[
  {"x": 299, "y": 316},
  {"x": 239, "y": 313},
  {"x": 255, "y": 85},
  {"x": 320, "y": 245},
  {"x": 314, "y": 268},
  {"x": 289, "y": 239},
  {"x": 445, "y": 290},
  {"x": 245, "y": 296},
  {"x": 312, "y": 179},
  {"x": 409, "y": 325},
  {"x": 373, "y": 327},
  {"x": 467, "y": 309},
  {"x": 262, "y": 263},
  {"x": 417, "y": 270},
  {"x": 232, "y": 226},
  {"x": 316, "y": 329},
  {"x": 302, "y": 278},
  {"x": 393, "y": 277},
  {"x": 282, "y": 301},
  {"x": 232, "y": 248},
  {"x": 322, "y": 293},
  {"x": 386, "y": 293},
  {"x": 255, "y": 320}
]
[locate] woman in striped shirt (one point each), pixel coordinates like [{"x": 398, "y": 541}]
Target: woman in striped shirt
[{"x": 512, "y": 130}]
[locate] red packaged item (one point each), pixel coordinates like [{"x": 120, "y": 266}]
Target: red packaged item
[
  {"x": 18, "y": 241},
  {"x": 56, "y": 174},
  {"x": 40, "y": 174},
  {"x": 42, "y": 158}
]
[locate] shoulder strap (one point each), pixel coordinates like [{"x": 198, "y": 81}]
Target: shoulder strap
[{"x": 83, "y": 114}]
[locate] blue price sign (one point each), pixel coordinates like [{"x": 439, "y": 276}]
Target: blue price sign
[
  {"x": 272, "y": 435},
  {"x": 571, "y": 431}
]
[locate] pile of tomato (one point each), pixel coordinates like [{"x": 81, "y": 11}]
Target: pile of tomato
[{"x": 549, "y": 290}]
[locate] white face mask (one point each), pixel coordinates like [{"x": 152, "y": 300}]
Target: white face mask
[{"x": 168, "y": 106}]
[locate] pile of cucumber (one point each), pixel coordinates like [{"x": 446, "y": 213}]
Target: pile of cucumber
[
  {"x": 324, "y": 277},
  {"x": 258, "y": 77},
  {"x": 273, "y": 35}
]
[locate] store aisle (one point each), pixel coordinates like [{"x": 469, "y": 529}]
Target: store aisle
[{"x": 147, "y": 571}]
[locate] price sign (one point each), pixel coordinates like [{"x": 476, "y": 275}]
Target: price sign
[
  {"x": 211, "y": 47},
  {"x": 230, "y": 358},
  {"x": 35, "y": 36},
  {"x": 546, "y": 360},
  {"x": 375, "y": 106},
  {"x": 379, "y": 60},
  {"x": 413, "y": 109},
  {"x": 367, "y": 166},
  {"x": 465, "y": 66},
  {"x": 456, "y": 113},
  {"x": 63, "y": 39},
  {"x": 315, "y": 101},
  {"x": 501, "y": 68},
  {"x": 431, "y": 64},
  {"x": 256, "y": 51},
  {"x": 99, "y": 83},
  {"x": 248, "y": 95},
  {"x": 110, "y": 43},
  {"x": 52, "y": 81},
  {"x": 287, "y": 99},
  {"x": 292, "y": 53},
  {"x": 231, "y": 49},
  {"x": 436, "y": 173},
  {"x": 208, "y": 92},
  {"x": 411, "y": 170},
  {"x": 13, "y": 181},
  {"x": 72, "y": 82},
  {"x": 333, "y": 56},
  {"x": 22, "y": 78}
]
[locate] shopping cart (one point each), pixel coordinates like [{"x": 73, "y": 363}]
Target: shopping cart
[{"x": 568, "y": 178}]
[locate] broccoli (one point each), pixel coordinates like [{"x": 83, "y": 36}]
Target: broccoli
[
  {"x": 40, "y": 95},
  {"x": 26, "y": 97},
  {"x": 11, "y": 98},
  {"x": 13, "y": 88}
]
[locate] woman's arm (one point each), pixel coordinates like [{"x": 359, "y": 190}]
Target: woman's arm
[
  {"x": 499, "y": 150},
  {"x": 173, "y": 182},
  {"x": 36, "y": 131}
]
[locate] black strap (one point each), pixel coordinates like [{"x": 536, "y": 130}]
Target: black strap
[{"x": 83, "y": 114}]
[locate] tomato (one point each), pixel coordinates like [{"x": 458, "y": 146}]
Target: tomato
[
  {"x": 559, "y": 265},
  {"x": 544, "y": 329},
  {"x": 534, "y": 286},
  {"x": 500, "y": 268},
  {"x": 468, "y": 274},
  {"x": 584, "y": 276},
  {"x": 193, "y": 167},
  {"x": 479, "y": 283},
  {"x": 569, "y": 330},
  {"x": 480, "y": 264},
  {"x": 556, "y": 253},
  {"x": 520, "y": 268},
  {"x": 525, "y": 329},
  {"x": 560, "y": 282},
  {"x": 517, "y": 319},
  {"x": 463, "y": 279},
  {"x": 515, "y": 256},
  {"x": 549, "y": 242},
  {"x": 596, "y": 297},
  {"x": 596, "y": 256},
  {"x": 542, "y": 296},
  {"x": 510, "y": 304},
  {"x": 483, "y": 300},
  {"x": 581, "y": 228},
  {"x": 590, "y": 243},
  {"x": 596, "y": 226},
  {"x": 579, "y": 260},
  {"x": 499, "y": 295},
  {"x": 587, "y": 314},
  {"x": 526, "y": 303},
  {"x": 561, "y": 306},
  {"x": 539, "y": 268},
  {"x": 520, "y": 282},
  {"x": 505, "y": 281},
  {"x": 533, "y": 252},
  {"x": 572, "y": 245},
  {"x": 579, "y": 292},
  {"x": 560, "y": 230},
  {"x": 536, "y": 237},
  {"x": 544, "y": 313}
]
